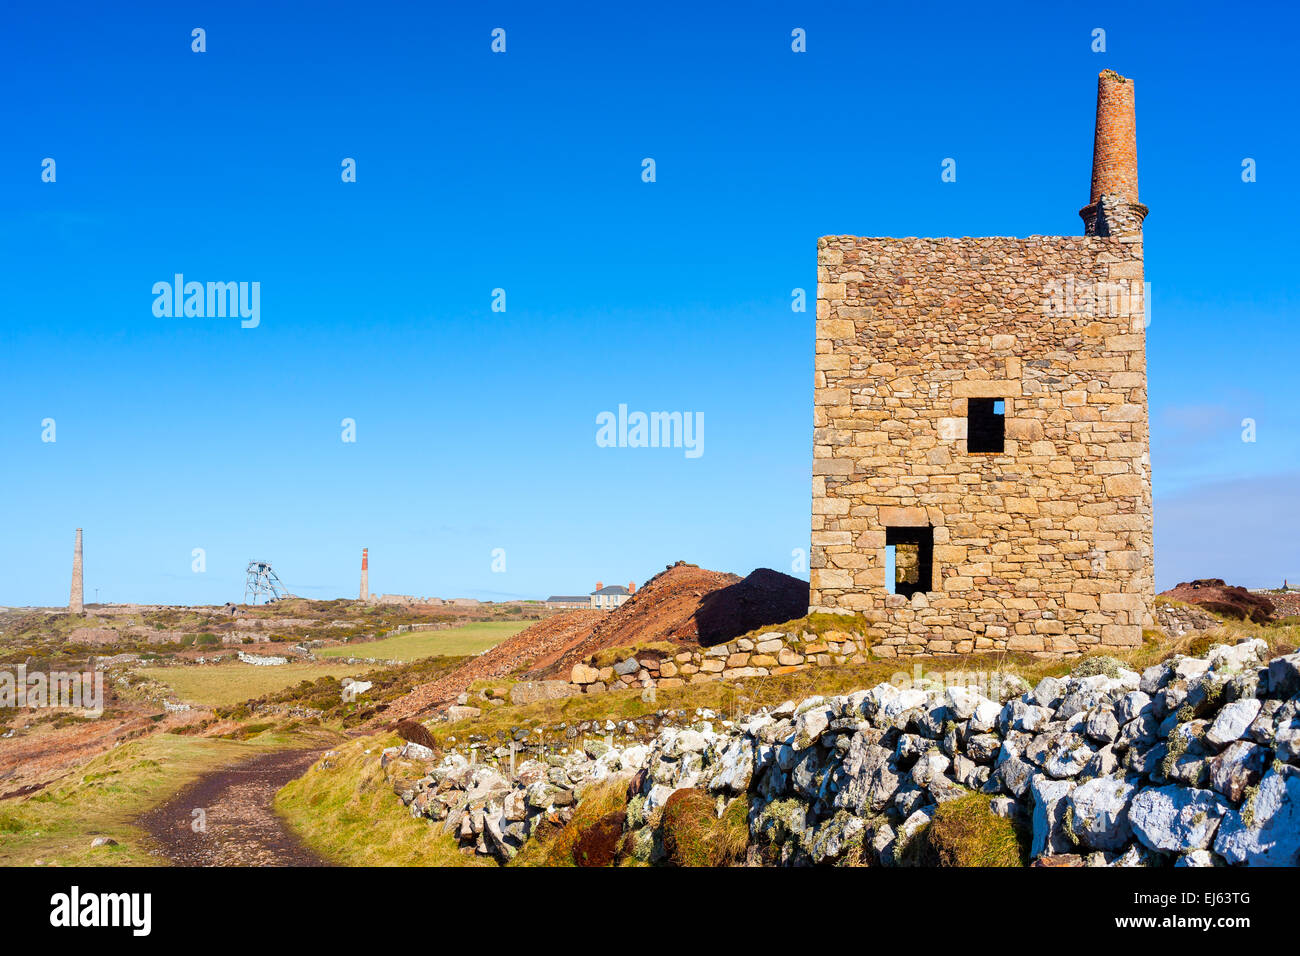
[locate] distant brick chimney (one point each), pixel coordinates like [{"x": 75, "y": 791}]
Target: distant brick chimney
[
  {"x": 365, "y": 574},
  {"x": 631, "y": 587},
  {"x": 1113, "y": 208},
  {"x": 599, "y": 585},
  {"x": 76, "y": 602}
]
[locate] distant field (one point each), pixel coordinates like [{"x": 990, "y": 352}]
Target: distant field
[
  {"x": 221, "y": 685},
  {"x": 454, "y": 642}
]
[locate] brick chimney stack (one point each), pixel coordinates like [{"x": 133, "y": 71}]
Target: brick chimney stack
[
  {"x": 1113, "y": 208},
  {"x": 631, "y": 587},
  {"x": 365, "y": 574},
  {"x": 76, "y": 601}
]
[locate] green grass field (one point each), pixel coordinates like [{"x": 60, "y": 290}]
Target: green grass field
[
  {"x": 455, "y": 642},
  {"x": 222, "y": 685}
]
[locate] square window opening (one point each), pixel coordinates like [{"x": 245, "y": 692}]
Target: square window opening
[
  {"x": 985, "y": 425},
  {"x": 909, "y": 560}
]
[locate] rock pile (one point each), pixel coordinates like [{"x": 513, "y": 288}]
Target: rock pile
[
  {"x": 1177, "y": 620},
  {"x": 1193, "y": 762},
  {"x": 494, "y": 810}
]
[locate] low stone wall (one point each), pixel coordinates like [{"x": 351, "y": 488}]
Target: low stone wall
[
  {"x": 261, "y": 660},
  {"x": 766, "y": 655},
  {"x": 774, "y": 653}
]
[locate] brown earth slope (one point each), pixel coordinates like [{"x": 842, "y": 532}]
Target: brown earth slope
[
  {"x": 663, "y": 609},
  {"x": 683, "y": 604},
  {"x": 688, "y": 605},
  {"x": 1213, "y": 595},
  {"x": 548, "y": 637}
]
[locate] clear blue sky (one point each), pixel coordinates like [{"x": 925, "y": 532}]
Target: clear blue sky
[{"x": 476, "y": 429}]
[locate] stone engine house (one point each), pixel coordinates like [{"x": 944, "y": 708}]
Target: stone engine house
[{"x": 981, "y": 463}]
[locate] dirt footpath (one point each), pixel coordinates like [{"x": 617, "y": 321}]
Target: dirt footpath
[{"x": 239, "y": 825}]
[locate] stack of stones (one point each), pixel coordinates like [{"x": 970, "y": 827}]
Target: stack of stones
[
  {"x": 766, "y": 654},
  {"x": 492, "y": 809},
  {"x": 1177, "y": 620},
  {"x": 1193, "y": 762}
]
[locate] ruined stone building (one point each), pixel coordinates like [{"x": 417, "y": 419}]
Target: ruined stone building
[{"x": 981, "y": 464}]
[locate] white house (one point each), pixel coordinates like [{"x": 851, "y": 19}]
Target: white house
[{"x": 608, "y": 598}]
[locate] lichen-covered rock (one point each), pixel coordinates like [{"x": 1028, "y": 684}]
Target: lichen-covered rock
[
  {"x": 983, "y": 748},
  {"x": 929, "y": 767},
  {"x": 837, "y": 836},
  {"x": 734, "y": 768},
  {"x": 1103, "y": 763},
  {"x": 866, "y": 781},
  {"x": 1231, "y": 658},
  {"x": 1286, "y": 740},
  {"x": 1284, "y": 676},
  {"x": 1066, "y": 755},
  {"x": 1232, "y": 722},
  {"x": 1099, "y": 812},
  {"x": 1131, "y": 705},
  {"x": 1266, "y": 831},
  {"x": 1018, "y": 715},
  {"x": 810, "y": 725},
  {"x": 968, "y": 773},
  {"x": 1101, "y": 725},
  {"x": 1015, "y": 775},
  {"x": 1176, "y": 819},
  {"x": 1240, "y": 766},
  {"x": 1049, "y": 806}
]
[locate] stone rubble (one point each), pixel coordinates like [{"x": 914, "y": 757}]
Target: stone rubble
[{"x": 1193, "y": 762}]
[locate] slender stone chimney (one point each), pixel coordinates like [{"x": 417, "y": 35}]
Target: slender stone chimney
[
  {"x": 1113, "y": 208},
  {"x": 365, "y": 574},
  {"x": 76, "y": 602}
]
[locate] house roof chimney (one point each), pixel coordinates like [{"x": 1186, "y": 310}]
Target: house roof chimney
[
  {"x": 599, "y": 585},
  {"x": 631, "y": 587},
  {"x": 1113, "y": 208}
]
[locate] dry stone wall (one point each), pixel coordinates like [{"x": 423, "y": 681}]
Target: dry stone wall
[
  {"x": 1193, "y": 762},
  {"x": 1044, "y": 547},
  {"x": 765, "y": 655}
]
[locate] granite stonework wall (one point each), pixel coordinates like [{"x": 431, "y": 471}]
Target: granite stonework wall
[
  {"x": 1044, "y": 547},
  {"x": 765, "y": 655}
]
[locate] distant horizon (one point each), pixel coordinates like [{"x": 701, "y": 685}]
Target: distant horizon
[{"x": 1293, "y": 584}]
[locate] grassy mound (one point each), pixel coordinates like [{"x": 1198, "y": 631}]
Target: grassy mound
[
  {"x": 966, "y": 832},
  {"x": 344, "y": 809},
  {"x": 599, "y": 807},
  {"x": 599, "y": 844},
  {"x": 694, "y": 835}
]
